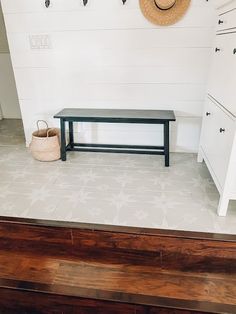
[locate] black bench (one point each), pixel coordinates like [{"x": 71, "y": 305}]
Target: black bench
[{"x": 115, "y": 116}]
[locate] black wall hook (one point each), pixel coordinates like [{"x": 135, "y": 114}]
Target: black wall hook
[
  {"x": 124, "y": 1},
  {"x": 47, "y": 3},
  {"x": 85, "y": 2}
]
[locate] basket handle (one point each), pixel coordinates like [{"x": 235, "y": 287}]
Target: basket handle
[
  {"x": 48, "y": 131},
  {"x": 43, "y": 122}
]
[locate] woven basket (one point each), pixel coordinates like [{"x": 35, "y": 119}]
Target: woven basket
[{"x": 45, "y": 145}]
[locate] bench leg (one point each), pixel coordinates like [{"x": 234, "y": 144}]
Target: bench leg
[
  {"x": 63, "y": 140},
  {"x": 71, "y": 134},
  {"x": 167, "y": 143}
]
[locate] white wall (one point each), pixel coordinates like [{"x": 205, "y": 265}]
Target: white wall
[
  {"x": 108, "y": 55},
  {"x": 8, "y": 96}
]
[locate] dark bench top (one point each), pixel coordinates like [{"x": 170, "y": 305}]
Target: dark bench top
[{"x": 116, "y": 115}]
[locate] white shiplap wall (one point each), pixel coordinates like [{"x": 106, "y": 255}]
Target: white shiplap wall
[{"x": 108, "y": 55}]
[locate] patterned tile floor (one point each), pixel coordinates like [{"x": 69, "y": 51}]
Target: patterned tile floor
[{"x": 134, "y": 190}]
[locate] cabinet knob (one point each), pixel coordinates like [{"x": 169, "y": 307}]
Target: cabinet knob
[
  {"x": 208, "y": 114},
  {"x": 217, "y": 49},
  {"x": 220, "y": 22},
  {"x": 234, "y": 51},
  {"x": 47, "y": 3},
  {"x": 222, "y": 130}
]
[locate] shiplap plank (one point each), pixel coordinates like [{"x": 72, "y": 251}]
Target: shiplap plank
[
  {"x": 137, "y": 75},
  {"x": 124, "y": 40},
  {"x": 46, "y": 84},
  {"x": 79, "y": 55},
  {"x": 130, "y": 75},
  {"x": 93, "y": 20}
]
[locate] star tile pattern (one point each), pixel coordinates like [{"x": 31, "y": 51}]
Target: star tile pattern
[{"x": 119, "y": 189}]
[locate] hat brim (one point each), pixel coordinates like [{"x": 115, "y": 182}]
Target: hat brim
[{"x": 164, "y": 17}]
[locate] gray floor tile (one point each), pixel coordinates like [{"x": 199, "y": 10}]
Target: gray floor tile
[{"x": 134, "y": 190}]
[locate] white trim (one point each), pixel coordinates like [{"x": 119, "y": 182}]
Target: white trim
[{"x": 1, "y": 116}]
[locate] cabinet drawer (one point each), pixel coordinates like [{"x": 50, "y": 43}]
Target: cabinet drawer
[
  {"x": 226, "y": 21},
  {"x": 217, "y": 139}
]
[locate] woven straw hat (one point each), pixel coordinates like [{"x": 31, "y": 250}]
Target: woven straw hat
[{"x": 164, "y": 12}]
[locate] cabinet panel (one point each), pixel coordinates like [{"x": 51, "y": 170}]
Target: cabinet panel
[
  {"x": 223, "y": 71},
  {"x": 229, "y": 100},
  {"x": 218, "y": 69},
  {"x": 217, "y": 139},
  {"x": 225, "y": 129},
  {"x": 227, "y": 20}
]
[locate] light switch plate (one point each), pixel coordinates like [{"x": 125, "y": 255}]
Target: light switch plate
[{"x": 39, "y": 42}]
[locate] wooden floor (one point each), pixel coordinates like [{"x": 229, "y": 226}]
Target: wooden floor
[{"x": 50, "y": 267}]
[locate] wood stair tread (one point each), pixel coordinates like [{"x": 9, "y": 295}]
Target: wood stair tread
[
  {"x": 82, "y": 265},
  {"x": 54, "y": 272}
]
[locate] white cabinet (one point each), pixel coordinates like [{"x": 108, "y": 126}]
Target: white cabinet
[{"x": 218, "y": 136}]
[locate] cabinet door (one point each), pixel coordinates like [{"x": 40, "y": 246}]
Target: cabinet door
[
  {"x": 229, "y": 101},
  {"x": 217, "y": 139},
  {"x": 222, "y": 79},
  {"x": 225, "y": 130},
  {"x": 219, "y": 69}
]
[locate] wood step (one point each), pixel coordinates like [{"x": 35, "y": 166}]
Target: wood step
[{"x": 59, "y": 267}]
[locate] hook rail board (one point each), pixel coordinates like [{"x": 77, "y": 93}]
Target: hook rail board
[{"x": 85, "y": 2}]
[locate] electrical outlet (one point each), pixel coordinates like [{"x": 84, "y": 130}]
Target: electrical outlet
[{"x": 39, "y": 42}]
